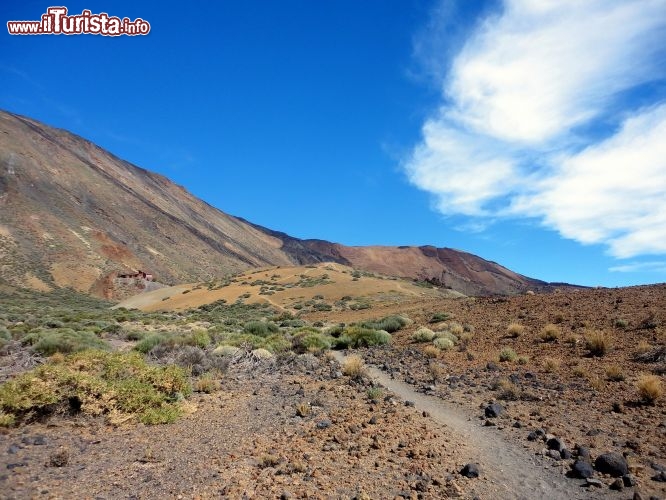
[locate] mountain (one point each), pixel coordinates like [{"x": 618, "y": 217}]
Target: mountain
[{"x": 75, "y": 215}]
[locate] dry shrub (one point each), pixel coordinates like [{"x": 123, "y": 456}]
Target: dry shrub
[
  {"x": 431, "y": 351},
  {"x": 643, "y": 347},
  {"x": 550, "y": 333},
  {"x": 507, "y": 390},
  {"x": 551, "y": 364},
  {"x": 508, "y": 354},
  {"x": 580, "y": 372},
  {"x": 650, "y": 388},
  {"x": 456, "y": 328},
  {"x": 353, "y": 366},
  {"x": 303, "y": 409},
  {"x": 597, "y": 343},
  {"x": 615, "y": 374},
  {"x": 207, "y": 383},
  {"x": 515, "y": 330},
  {"x": 595, "y": 382},
  {"x": 437, "y": 371}
]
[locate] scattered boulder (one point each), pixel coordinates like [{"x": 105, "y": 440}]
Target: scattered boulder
[
  {"x": 612, "y": 464},
  {"x": 629, "y": 480},
  {"x": 617, "y": 485},
  {"x": 593, "y": 482},
  {"x": 494, "y": 410},
  {"x": 555, "y": 443},
  {"x": 323, "y": 424},
  {"x": 584, "y": 453},
  {"x": 566, "y": 454},
  {"x": 582, "y": 469},
  {"x": 660, "y": 477},
  {"x": 471, "y": 470}
]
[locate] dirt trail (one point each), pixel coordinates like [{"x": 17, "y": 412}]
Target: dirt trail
[{"x": 510, "y": 470}]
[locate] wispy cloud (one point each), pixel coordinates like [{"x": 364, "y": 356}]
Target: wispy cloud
[
  {"x": 634, "y": 267},
  {"x": 516, "y": 133}
]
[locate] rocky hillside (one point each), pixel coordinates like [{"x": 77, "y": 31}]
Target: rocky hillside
[{"x": 75, "y": 215}]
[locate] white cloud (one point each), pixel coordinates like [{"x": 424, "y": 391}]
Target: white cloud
[
  {"x": 504, "y": 141},
  {"x": 634, "y": 267}
]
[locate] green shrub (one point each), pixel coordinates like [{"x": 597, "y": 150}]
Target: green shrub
[
  {"x": 119, "y": 386},
  {"x": 439, "y": 317},
  {"x": 455, "y": 328},
  {"x": 147, "y": 343},
  {"x": 260, "y": 328},
  {"x": 226, "y": 350},
  {"x": 64, "y": 340},
  {"x": 447, "y": 335},
  {"x": 335, "y": 331},
  {"x": 311, "y": 342},
  {"x": 443, "y": 343},
  {"x": 423, "y": 334},
  {"x": 357, "y": 336},
  {"x": 389, "y": 324},
  {"x": 198, "y": 338},
  {"x": 508, "y": 354}
]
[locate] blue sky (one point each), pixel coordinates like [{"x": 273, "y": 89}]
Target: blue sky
[{"x": 531, "y": 133}]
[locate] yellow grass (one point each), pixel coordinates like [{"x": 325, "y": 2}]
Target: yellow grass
[
  {"x": 650, "y": 388},
  {"x": 353, "y": 366}
]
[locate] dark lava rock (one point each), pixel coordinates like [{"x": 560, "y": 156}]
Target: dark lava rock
[
  {"x": 373, "y": 420},
  {"x": 618, "y": 484},
  {"x": 582, "y": 469},
  {"x": 324, "y": 424},
  {"x": 660, "y": 477},
  {"x": 13, "y": 449},
  {"x": 612, "y": 463},
  {"x": 494, "y": 410},
  {"x": 554, "y": 454},
  {"x": 629, "y": 480},
  {"x": 594, "y": 482},
  {"x": 492, "y": 367},
  {"x": 584, "y": 453},
  {"x": 517, "y": 424},
  {"x": 556, "y": 444},
  {"x": 409, "y": 403},
  {"x": 471, "y": 470},
  {"x": 566, "y": 454}
]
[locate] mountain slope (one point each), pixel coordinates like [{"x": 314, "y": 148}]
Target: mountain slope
[{"x": 73, "y": 214}]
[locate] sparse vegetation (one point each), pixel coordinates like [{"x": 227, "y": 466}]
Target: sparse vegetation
[
  {"x": 650, "y": 388},
  {"x": 515, "y": 330},
  {"x": 431, "y": 351},
  {"x": 551, "y": 364},
  {"x": 597, "y": 343},
  {"x": 439, "y": 317},
  {"x": 119, "y": 386},
  {"x": 423, "y": 334},
  {"x": 550, "y": 333},
  {"x": 508, "y": 354},
  {"x": 443, "y": 343},
  {"x": 614, "y": 373},
  {"x": 353, "y": 366}
]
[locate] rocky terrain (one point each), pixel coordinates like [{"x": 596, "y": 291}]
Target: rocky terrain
[{"x": 75, "y": 215}]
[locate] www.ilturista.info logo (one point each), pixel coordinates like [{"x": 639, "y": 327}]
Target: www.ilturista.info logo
[{"x": 57, "y": 22}]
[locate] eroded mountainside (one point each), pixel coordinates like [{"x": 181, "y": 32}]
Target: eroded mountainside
[{"x": 75, "y": 215}]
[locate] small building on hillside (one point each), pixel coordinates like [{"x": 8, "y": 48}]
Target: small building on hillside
[{"x": 137, "y": 275}]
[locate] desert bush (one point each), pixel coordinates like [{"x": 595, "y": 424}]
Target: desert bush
[
  {"x": 226, "y": 350},
  {"x": 64, "y": 340},
  {"x": 508, "y": 354},
  {"x": 260, "y": 328},
  {"x": 650, "y": 388},
  {"x": 303, "y": 409},
  {"x": 261, "y": 353},
  {"x": 374, "y": 393},
  {"x": 147, "y": 344},
  {"x": 311, "y": 342},
  {"x": 353, "y": 366},
  {"x": 119, "y": 386},
  {"x": 439, "y": 317},
  {"x": 507, "y": 390},
  {"x": 423, "y": 334},
  {"x": 356, "y": 336},
  {"x": 551, "y": 364},
  {"x": 642, "y": 349},
  {"x": 614, "y": 373},
  {"x": 515, "y": 330},
  {"x": 550, "y": 333},
  {"x": 334, "y": 331},
  {"x": 443, "y": 343},
  {"x": 431, "y": 351},
  {"x": 455, "y": 328},
  {"x": 198, "y": 338},
  {"x": 389, "y": 324},
  {"x": 446, "y": 334},
  {"x": 597, "y": 343},
  {"x": 523, "y": 360},
  {"x": 621, "y": 323},
  {"x": 207, "y": 383}
]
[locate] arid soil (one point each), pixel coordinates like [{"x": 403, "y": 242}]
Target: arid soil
[{"x": 247, "y": 440}]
